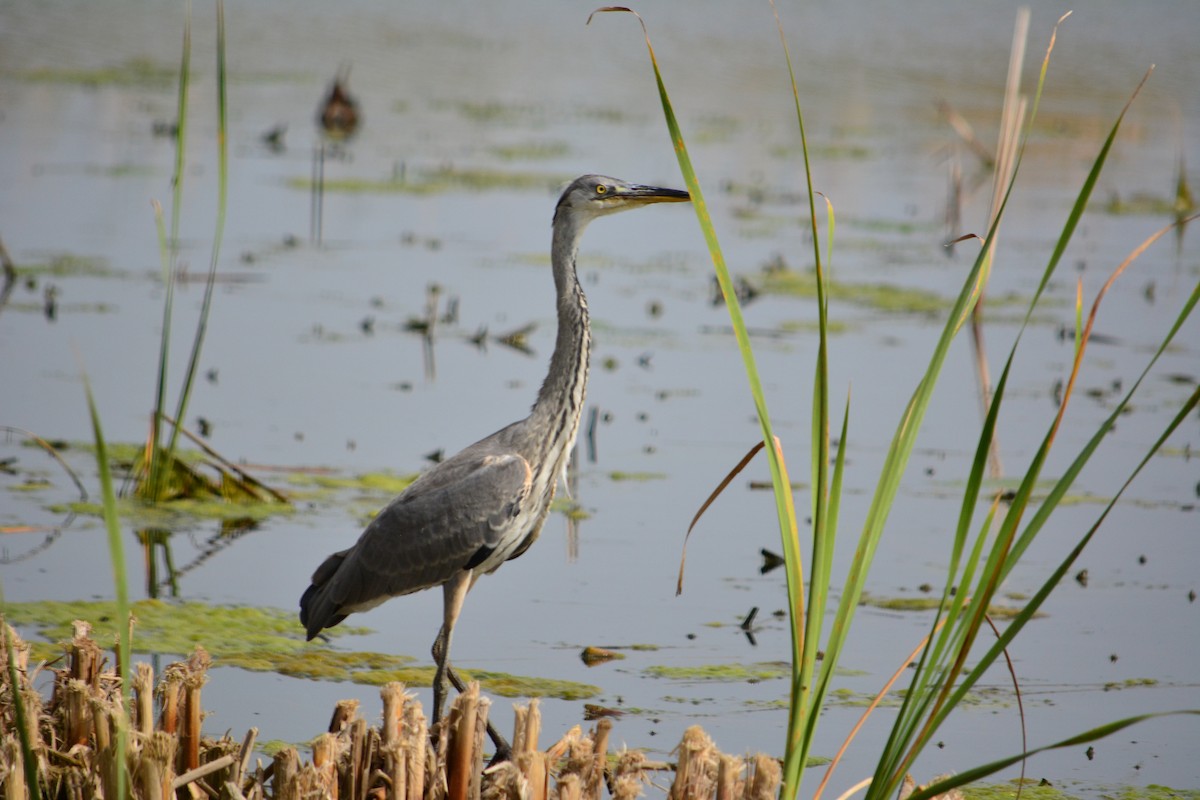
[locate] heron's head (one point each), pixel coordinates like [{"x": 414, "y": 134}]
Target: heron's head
[{"x": 592, "y": 196}]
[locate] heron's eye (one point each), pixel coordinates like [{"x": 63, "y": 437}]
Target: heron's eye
[{"x": 602, "y": 189}]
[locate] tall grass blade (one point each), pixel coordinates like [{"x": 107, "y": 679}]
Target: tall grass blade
[
  {"x": 116, "y": 550},
  {"x": 785, "y": 509},
  {"x": 152, "y": 488},
  {"x": 193, "y": 366}
]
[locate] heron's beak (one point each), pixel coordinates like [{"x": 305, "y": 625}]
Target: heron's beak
[{"x": 637, "y": 193}]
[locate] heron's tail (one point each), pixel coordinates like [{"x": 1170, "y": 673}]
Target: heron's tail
[{"x": 317, "y": 609}]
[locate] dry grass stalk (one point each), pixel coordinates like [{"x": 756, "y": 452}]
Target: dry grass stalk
[
  {"x": 766, "y": 773},
  {"x": 153, "y": 767},
  {"x": 85, "y": 655},
  {"x": 394, "y": 700},
  {"x": 285, "y": 768},
  {"x": 196, "y": 675},
  {"x": 325, "y": 752},
  {"x": 570, "y": 787},
  {"x": 629, "y": 777},
  {"x": 143, "y": 693},
  {"x": 696, "y": 769},
  {"x": 464, "y": 752},
  {"x": 356, "y": 762},
  {"x": 344, "y": 713},
  {"x": 729, "y": 771},
  {"x": 414, "y": 743},
  {"x": 169, "y": 692},
  {"x": 593, "y": 778},
  {"x": 14, "y": 774}
]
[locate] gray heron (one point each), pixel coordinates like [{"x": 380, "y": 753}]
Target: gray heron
[{"x": 486, "y": 505}]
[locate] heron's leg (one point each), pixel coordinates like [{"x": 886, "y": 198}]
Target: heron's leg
[{"x": 454, "y": 593}]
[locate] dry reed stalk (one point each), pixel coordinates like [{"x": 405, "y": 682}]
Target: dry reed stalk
[
  {"x": 394, "y": 700},
  {"x": 696, "y": 770},
  {"x": 414, "y": 742},
  {"x": 593, "y": 777},
  {"x": 309, "y": 784},
  {"x": 570, "y": 788},
  {"x": 628, "y": 775},
  {"x": 195, "y": 678},
  {"x": 85, "y": 655},
  {"x": 76, "y": 711},
  {"x": 14, "y": 782},
  {"x": 108, "y": 727},
  {"x": 143, "y": 692},
  {"x": 344, "y": 713},
  {"x": 728, "y": 772},
  {"x": 464, "y": 752},
  {"x": 766, "y": 773},
  {"x": 153, "y": 768},
  {"x": 286, "y": 767},
  {"x": 527, "y": 776},
  {"x": 170, "y": 690},
  {"x": 243, "y": 760},
  {"x": 324, "y": 759},
  {"x": 358, "y": 767}
]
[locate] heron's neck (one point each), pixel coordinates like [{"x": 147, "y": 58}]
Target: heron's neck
[{"x": 560, "y": 400}]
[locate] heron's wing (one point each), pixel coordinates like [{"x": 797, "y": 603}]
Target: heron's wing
[{"x": 437, "y": 527}]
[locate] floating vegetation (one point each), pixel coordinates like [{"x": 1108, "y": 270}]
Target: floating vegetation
[
  {"x": 531, "y": 151},
  {"x": 1140, "y": 204},
  {"x": 880, "y": 296},
  {"x": 134, "y": 72},
  {"x": 735, "y": 672},
  {"x": 66, "y": 265},
  {"x": 384, "y": 482},
  {"x": 995, "y": 610},
  {"x": 435, "y": 181},
  {"x": 257, "y": 639},
  {"x": 229, "y": 633},
  {"x": 618, "y": 476}
]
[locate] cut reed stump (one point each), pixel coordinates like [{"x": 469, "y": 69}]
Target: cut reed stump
[{"x": 71, "y": 743}]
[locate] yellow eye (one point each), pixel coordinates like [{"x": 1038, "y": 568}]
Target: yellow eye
[{"x": 602, "y": 189}]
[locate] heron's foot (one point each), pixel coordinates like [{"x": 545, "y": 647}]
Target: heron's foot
[{"x": 503, "y": 751}]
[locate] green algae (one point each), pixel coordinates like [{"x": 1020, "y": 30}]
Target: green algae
[
  {"x": 927, "y": 603},
  {"x": 880, "y": 296},
  {"x": 436, "y": 181},
  {"x": 617, "y": 476},
  {"x": 508, "y": 685},
  {"x": 230, "y": 633},
  {"x": 66, "y": 265},
  {"x": 257, "y": 640},
  {"x": 1138, "y": 204},
  {"x": 531, "y": 151},
  {"x": 172, "y": 513},
  {"x": 381, "y": 482},
  {"x": 133, "y": 72},
  {"x": 734, "y": 672},
  {"x": 1031, "y": 789}
]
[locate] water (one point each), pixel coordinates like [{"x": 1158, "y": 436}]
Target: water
[{"x": 300, "y": 384}]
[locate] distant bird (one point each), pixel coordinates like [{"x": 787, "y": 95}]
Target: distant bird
[
  {"x": 338, "y": 115},
  {"x": 472, "y": 512}
]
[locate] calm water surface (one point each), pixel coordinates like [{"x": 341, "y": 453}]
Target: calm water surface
[{"x": 534, "y": 92}]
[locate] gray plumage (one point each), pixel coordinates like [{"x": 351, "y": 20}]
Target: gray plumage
[{"x": 469, "y": 514}]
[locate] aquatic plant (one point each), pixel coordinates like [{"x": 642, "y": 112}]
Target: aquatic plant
[
  {"x": 159, "y": 474},
  {"x": 979, "y": 561}
]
